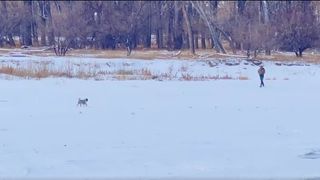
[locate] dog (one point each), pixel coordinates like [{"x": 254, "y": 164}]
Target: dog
[{"x": 82, "y": 102}]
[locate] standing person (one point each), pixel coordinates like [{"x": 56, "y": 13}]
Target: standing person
[{"x": 261, "y": 72}]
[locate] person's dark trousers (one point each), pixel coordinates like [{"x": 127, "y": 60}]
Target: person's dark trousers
[{"x": 261, "y": 80}]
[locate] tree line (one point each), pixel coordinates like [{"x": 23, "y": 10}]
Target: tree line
[{"x": 223, "y": 26}]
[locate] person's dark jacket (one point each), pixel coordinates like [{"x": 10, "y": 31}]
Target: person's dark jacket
[{"x": 261, "y": 71}]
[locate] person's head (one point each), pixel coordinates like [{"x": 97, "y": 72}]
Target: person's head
[{"x": 261, "y": 66}]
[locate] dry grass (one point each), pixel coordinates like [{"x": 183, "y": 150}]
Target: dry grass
[
  {"x": 188, "y": 77},
  {"x": 43, "y": 70},
  {"x": 149, "y": 54},
  {"x": 243, "y": 77},
  {"x": 39, "y": 70},
  {"x": 287, "y": 57},
  {"x": 30, "y": 72}
]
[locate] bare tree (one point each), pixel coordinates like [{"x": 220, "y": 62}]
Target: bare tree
[
  {"x": 69, "y": 27},
  {"x": 205, "y": 13},
  {"x": 189, "y": 28},
  {"x": 10, "y": 21},
  {"x": 246, "y": 25},
  {"x": 25, "y": 27},
  {"x": 297, "y": 28},
  {"x": 159, "y": 22},
  {"x": 43, "y": 14}
]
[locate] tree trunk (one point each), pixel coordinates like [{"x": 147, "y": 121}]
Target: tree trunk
[
  {"x": 266, "y": 20},
  {"x": 5, "y": 12},
  {"x": 50, "y": 27},
  {"x": 11, "y": 41},
  {"x": 186, "y": 39},
  {"x": 43, "y": 32},
  {"x": 238, "y": 46},
  {"x": 229, "y": 39},
  {"x": 212, "y": 28},
  {"x": 46, "y": 29},
  {"x": 170, "y": 31},
  {"x": 134, "y": 39},
  {"x": 265, "y": 11},
  {"x": 159, "y": 38},
  {"x": 147, "y": 43},
  {"x": 159, "y": 29},
  {"x": 211, "y": 43},
  {"x": 189, "y": 29},
  {"x": 268, "y": 52},
  {"x": 34, "y": 26},
  {"x": 203, "y": 41},
  {"x": 196, "y": 39},
  {"x": 299, "y": 53},
  {"x": 217, "y": 42},
  {"x": 255, "y": 53},
  {"x": 241, "y": 6},
  {"x": 26, "y": 25},
  {"x": 35, "y": 40},
  {"x": 147, "y": 39},
  {"x": 177, "y": 33}
]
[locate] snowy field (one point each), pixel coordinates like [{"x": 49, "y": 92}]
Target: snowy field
[
  {"x": 162, "y": 128},
  {"x": 158, "y": 69}
]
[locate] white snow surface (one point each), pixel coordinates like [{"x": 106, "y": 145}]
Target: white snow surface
[
  {"x": 162, "y": 129},
  {"x": 233, "y": 67}
]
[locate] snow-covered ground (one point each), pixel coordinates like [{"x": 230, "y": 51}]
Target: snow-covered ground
[
  {"x": 145, "y": 129},
  {"x": 202, "y": 69}
]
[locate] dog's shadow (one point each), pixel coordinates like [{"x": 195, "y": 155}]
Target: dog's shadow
[{"x": 314, "y": 154}]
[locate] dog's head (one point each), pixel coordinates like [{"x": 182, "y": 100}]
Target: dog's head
[{"x": 86, "y": 99}]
